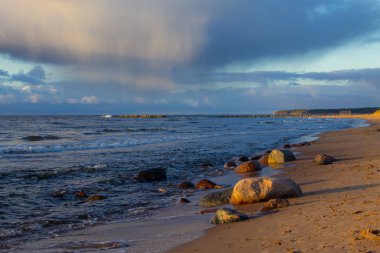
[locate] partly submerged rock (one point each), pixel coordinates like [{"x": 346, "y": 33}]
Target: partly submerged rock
[
  {"x": 207, "y": 184},
  {"x": 218, "y": 198},
  {"x": 93, "y": 198},
  {"x": 248, "y": 167},
  {"x": 322, "y": 159},
  {"x": 275, "y": 204},
  {"x": 81, "y": 194},
  {"x": 258, "y": 189},
  {"x": 150, "y": 175},
  {"x": 230, "y": 165},
  {"x": 186, "y": 185},
  {"x": 281, "y": 156},
  {"x": 184, "y": 201},
  {"x": 227, "y": 215},
  {"x": 243, "y": 159}
]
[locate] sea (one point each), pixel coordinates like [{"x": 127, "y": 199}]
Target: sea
[{"x": 46, "y": 160}]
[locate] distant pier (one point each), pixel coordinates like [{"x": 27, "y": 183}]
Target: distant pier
[{"x": 142, "y": 116}]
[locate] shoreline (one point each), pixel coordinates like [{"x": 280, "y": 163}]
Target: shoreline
[
  {"x": 159, "y": 230},
  {"x": 339, "y": 204}
]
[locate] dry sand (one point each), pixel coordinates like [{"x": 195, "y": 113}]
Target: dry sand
[{"x": 341, "y": 202}]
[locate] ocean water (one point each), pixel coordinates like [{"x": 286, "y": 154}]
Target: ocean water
[{"x": 45, "y": 160}]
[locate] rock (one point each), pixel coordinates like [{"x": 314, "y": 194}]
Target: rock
[
  {"x": 207, "y": 184},
  {"x": 230, "y": 165},
  {"x": 264, "y": 160},
  {"x": 186, "y": 185},
  {"x": 287, "y": 146},
  {"x": 243, "y": 159},
  {"x": 162, "y": 190},
  {"x": 275, "y": 204},
  {"x": 59, "y": 194},
  {"x": 258, "y": 189},
  {"x": 281, "y": 156},
  {"x": 256, "y": 157},
  {"x": 151, "y": 175},
  {"x": 218, "y": 198},
  {"x": 81, "y": 194},
  {"x": 184, "y": 201},
  {"x": 95, "y": 198},
  {"x": 322, "y": 159},
  {"x": 227, "y": 215},
  {"x": 211, "y": 210},
  {"x": 248, "y": 167},
  {"x": 206, "y": 165}
]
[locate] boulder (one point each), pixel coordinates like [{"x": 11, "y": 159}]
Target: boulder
[
  {"x": 287, "y": 146},
  {"x": 227, "y": 215},
  {"x": 264, "y": 160},
  {"x": 281, "y": 156},
  {"x": 243, "y": 159},
  {"x": 275, "y": 204},
  {"x": 248, "y": 167},
  {"x": 259, "y": 189},
  {"x": 218, "y": 198},
  {"x": 207, "y": 184},
  {"x": 186, "y": 185},
  {"x": 230, "y": 165},
  {"x": 256, "y": 157},
  {"x": 93, "y": 198},
  {"x": 151, "y": 175},
  {"x": 81, "y": 194},
  {"x": 322, "y": 159},
  {"x": 206, "y": 165},
  {"x": 184, "y": 201}
]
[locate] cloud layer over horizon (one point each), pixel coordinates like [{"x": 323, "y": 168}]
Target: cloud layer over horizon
[{"x": 186, "y": 56}]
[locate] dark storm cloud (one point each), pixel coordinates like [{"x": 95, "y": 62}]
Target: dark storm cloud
[
  {"x": 245, "y": 30},
  {"x": 371, "y": 76},
  {"x": 36, "y": 75}
]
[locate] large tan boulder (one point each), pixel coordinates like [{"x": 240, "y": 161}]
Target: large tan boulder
[
  {"x": 258, "y": 189},
  {"x": 278, "y": 156},
  {"x": 264, "y": 160},
  {"x": 248, "y": 167}
]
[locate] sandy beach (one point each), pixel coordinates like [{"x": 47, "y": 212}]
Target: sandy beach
[{"x": 338, "y": 212}]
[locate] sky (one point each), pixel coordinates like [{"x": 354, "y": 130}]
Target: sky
[{"x": 187, "y": 56}]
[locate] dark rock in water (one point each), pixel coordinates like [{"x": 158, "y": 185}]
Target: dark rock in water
[
  {"x": 59, "y": 194},
  {"x": 248, "y": 167},
  {"x": 256, "y": 157},
  {"x": 281, "y": 156},
  {"x": 186, "y": 185},
  {"x": 40, "y": 138},
  {"x": 95, "y": 198},
  {"x": 150, "y": 175},
  {"x": 218, "y": 198},
  {"x": 207, "y": 184},
  {"x": 322, "y": 159},
  {"x": 81, "y": 194},
  {"x": 287, "y": 146},
  {"x": 206, "y": 165},
  {"x": 227, "y": 215},
  {"x": 230, "y": 165},
  {"x": 275, "y": 204},
  {"x": 243, "y": 159},
  {"x": 184, "y": 201}
]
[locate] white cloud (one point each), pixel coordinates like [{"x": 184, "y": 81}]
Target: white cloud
[{"x": 89, "y": 100}]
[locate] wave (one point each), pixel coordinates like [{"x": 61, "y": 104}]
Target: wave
[{"x": 109, "y": 143}]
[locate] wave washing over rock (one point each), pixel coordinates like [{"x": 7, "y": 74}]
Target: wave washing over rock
[{"x": 85, "y": 175}]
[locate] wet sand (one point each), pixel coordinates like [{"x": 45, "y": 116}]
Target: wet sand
[{"x": 338, "y": 212}]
